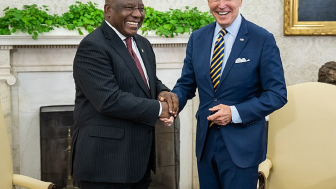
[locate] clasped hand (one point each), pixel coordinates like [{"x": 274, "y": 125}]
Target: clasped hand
[{"x": 170, "y": 107}]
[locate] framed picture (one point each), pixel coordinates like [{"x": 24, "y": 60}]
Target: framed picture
[{"x": 310, "y": 17}]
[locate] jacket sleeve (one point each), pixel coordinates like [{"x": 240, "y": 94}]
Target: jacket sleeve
[{"x": 272, "y": 82}]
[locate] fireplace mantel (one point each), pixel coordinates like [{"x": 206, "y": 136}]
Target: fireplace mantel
[
  {"x": 63, "y": 37},
  {"x": 33, "y": 71}
]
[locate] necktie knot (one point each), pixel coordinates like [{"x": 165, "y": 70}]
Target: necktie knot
[{"x": 223, "y": 32}]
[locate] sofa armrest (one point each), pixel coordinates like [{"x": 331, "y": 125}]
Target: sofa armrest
[
  {"x": 263, "y": 169},
  {"x": 31, "y": 183}
]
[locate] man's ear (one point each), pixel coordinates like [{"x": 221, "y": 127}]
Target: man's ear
[{"x": 107, "y": 9}]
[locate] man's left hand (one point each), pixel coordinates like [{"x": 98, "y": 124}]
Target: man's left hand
[
  {"x": 167, "y": 121},
  {"x": 223, "y": 115}
]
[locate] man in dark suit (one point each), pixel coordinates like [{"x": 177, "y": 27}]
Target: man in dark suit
[
  {"x": 116, "y": 108},
  {"x": 237, "y": 69}
]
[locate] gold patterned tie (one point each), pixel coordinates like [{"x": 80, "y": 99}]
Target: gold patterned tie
[{"x": 217, "y": 61}]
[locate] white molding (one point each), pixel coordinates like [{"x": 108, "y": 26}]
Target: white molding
[
  {"x": 61, "y": 36},
  {"x": 161, "y": 40},
  {"x": 5, "y": 73},
  {"x": 9, "y": 78},
  {"x": 43, "y": 39}
]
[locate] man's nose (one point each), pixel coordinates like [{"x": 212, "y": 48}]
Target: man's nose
[
  {"x": 137, "y": 13},
  {"x": 222, "y": 3}
]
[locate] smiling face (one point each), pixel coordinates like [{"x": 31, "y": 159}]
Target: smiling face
[
  {"x": 125, "y": 15},
  {"x": 225, "y": 11}
]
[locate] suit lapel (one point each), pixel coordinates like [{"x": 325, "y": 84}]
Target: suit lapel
[
  {"x": 237, "y": 47},
  {"x": 118, "y": 45}
]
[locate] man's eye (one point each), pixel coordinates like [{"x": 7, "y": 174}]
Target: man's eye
[{"x": 129, "y": 8}]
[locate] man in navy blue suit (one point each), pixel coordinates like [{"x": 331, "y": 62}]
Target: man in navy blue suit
[{"x": 237, "y": 69}]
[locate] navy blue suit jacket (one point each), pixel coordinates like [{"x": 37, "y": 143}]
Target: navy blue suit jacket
[{"x": 256, "y": 88}]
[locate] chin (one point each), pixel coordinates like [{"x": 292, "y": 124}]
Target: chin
[{"x": 132, "y": 31}]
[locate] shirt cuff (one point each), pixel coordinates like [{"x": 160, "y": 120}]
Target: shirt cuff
[
  {"x": 235, "y": 115},
  {"x": 160, "y": 109}
]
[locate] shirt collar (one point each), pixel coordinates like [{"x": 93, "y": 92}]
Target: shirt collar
[
  {"x": 233, "y": 28},
  {"x": 121, "y": 36}
]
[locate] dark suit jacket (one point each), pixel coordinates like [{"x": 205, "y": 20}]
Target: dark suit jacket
[
  {"x": 114, "y": 113},
  {"x": 256, "y": 88}
]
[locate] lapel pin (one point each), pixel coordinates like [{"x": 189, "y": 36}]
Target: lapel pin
[
  {"x": 241, "y": 39},
  {"x": 142, "y": 50}
]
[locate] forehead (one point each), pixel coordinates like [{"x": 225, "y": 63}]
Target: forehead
[
  {"x": 127, "y": 2},
  {"x": 220, "y": 0}
]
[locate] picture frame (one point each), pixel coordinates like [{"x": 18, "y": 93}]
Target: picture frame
[{"x": 313, "y": 18}]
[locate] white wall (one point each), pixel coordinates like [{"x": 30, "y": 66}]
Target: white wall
[{"x": 302, "y": 55}]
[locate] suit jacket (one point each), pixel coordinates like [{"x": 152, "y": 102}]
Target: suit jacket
[
  {"x": 256, "y": 88},
  {"x": 114, "y": 113}
]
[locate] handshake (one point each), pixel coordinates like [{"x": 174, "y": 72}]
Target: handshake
[{"x": 170, "y": 107}]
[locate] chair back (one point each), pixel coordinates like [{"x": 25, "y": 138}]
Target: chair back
[
  {"x": 6, "y": 166},
  {"x": 302, "y": 139}
]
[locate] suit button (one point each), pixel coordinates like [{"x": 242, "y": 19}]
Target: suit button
[{"x": 215, "y": 99}]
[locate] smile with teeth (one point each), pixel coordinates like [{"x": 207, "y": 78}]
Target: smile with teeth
[
  {"x": 132, "y": 23},
  {"x": 223, "y": 13}
]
